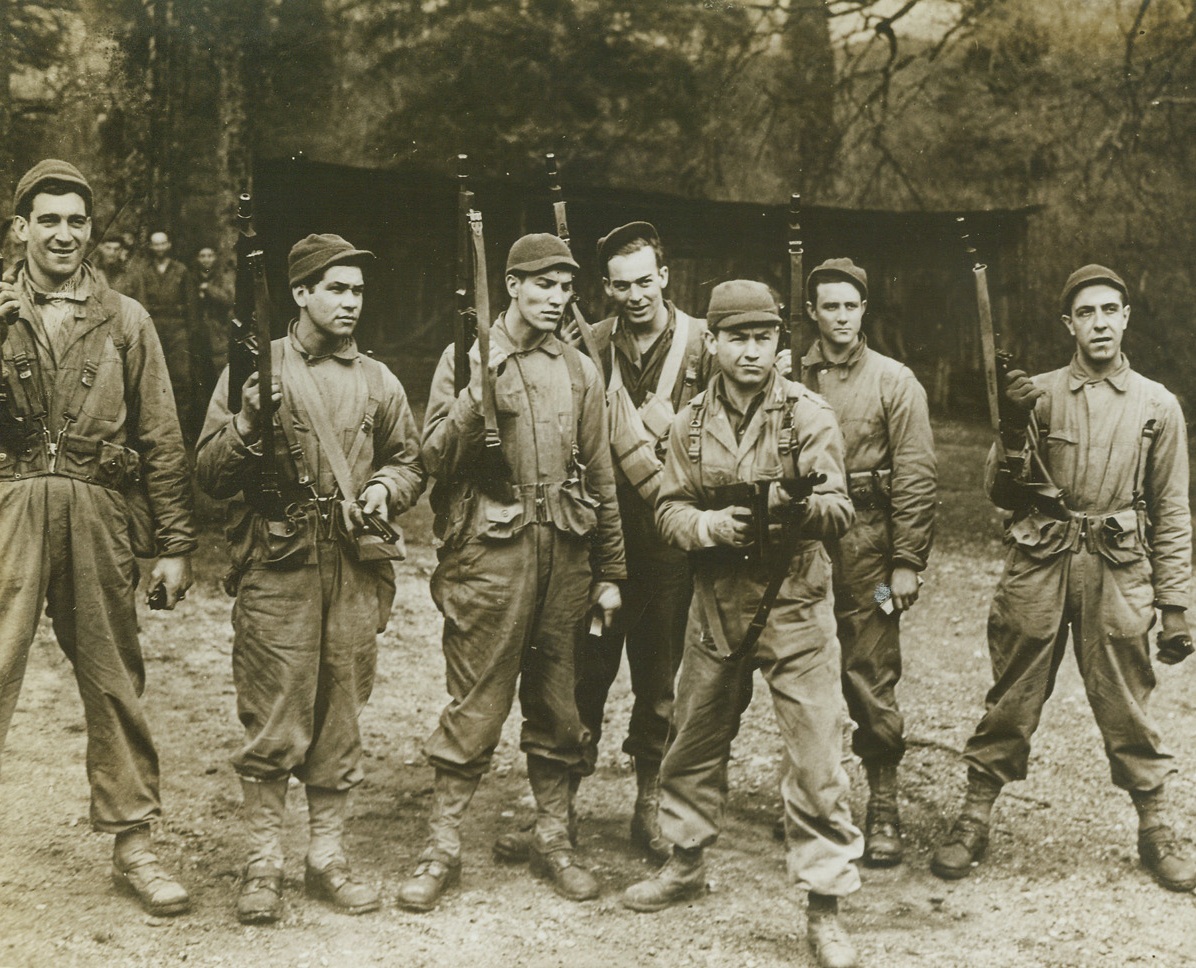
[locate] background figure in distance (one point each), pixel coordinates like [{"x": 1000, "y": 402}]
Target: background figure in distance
[
  {"x": 312, "y": 590},
  {"x": 521, "y": 568},
  {"x": 93, "y": 472},
  {"x": 889, "y": 453},
  {"x": 214, "y": 307},
  {"x": 1116, "y": 443}
]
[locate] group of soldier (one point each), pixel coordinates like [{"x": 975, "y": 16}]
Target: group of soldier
[{"x": 670, "y": 492}]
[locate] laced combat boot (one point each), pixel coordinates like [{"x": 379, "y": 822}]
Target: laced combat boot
[
  {"x": 1158, "y": 846},
  {"x": 828, "y": 938},
  {"x": 260, "y": 898},
  {"x": 552, "y": 856},
  {"x": 882, "y": 827},
  {"x": 515, "y": 846},
  {"x": 136, "y": 871},
  {"x": 328, "y": 876},
  {"x": 439, "y": 866},
  {"x": 645, "y": 824},
  {"x": 682, "y": 878},
  {"x": 967, "y": 841}
]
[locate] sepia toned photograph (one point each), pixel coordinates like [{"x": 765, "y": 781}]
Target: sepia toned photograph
[{"x": 594, "y": 483}]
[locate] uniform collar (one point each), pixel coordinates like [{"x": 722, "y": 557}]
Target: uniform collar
[
  {"x": 1078, "y": 375},
  {"x": 816, "y": 357},
  {"x": 546, "y": 342},
  {"x": 75, "y": 290},
  {"x": 773, "y": 392},
  {"x": 345, "y": 353}
]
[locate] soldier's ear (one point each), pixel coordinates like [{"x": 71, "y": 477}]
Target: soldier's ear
[
  {"x": 20, "y": 228},
  {"x": 299, "y": 294},
  {"x": 1069, "y": 324},
  {"x": 1127, "y": 314},
  {"x": 711, "y": 338},
  {"x": 663, "y": 272},
  {"x": 512, "y": 284}
]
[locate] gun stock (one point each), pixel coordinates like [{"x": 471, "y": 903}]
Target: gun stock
[
  {"x": 465, "y": 325},
  {"x": 242, "y": 340},
  {"x": 796, "y": 273},
  {"x": 556, "y": 193}
]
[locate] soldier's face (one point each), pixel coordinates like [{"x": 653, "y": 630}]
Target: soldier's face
[
  {"x": 541, "y": 298},
  {"x": 838, "y": 310},
  {"x": 55, "y": 235},
  {"x": 206, "y": 258},
  {"x": 746, "y": 354},
  {"x": 636, "y": 284},
  {"x": 333, "y": 305},
  {"x": 1099, "y": 316}
]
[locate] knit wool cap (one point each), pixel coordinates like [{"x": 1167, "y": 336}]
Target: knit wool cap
[
  {"x": 50, "y": 169},
  {"x": 843, "y": 270},
  {"x": 316, "y": 253},
  {"x": 540, "y": 250},
  {"x": 1086, "y": 276},
  {"x": 614, "y": 240},
  {"x": 740, "y": 302}
]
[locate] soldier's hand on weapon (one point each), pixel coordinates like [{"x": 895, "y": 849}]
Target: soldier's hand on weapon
[
  {"x": 1174, "y": 639},
  {"x": 1021, "y": 391},
  {"x": 10, "y": 305},
  {"x": 373, "y": 500},
  {"x": 605, "y": 600},
  {"x": 784, "y": 363},
  {"x": 570, "y": 332},
  {"x": 903, "y": 587},
  {"x": 174, "y": 575},
  {"x": 498, "y": 359},
  {"x": 731, "y": 526},
  {"x": 251, "y": 404}
]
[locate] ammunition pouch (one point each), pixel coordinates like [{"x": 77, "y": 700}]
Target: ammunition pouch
[
  {"x": 1119, "y": 536},
  {"x": 870, "y": 490}
]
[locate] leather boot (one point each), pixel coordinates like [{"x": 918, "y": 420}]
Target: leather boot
[
  {"x": 967, "y": 842},
  {"x": 1160, "y": 854},
  {"x": 645, "y": 824},
  {"x": 439, "y": 866},
  {"x": 136, "y": 871},
  {"x": 827, "y": 937},
  {"x": 260, "y": 897},
  {"x": 882, "y": 827},
  {"x": 328, "y": 876},
  {"x": 515, "y": 846},
  {"x": 552, "y": 853},
  {"x": 682, "y": 877}
]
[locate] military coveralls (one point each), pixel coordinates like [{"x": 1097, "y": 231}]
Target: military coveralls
[
  {"x": 659, "y": 587},
  {"x": 797, "y": 651},
  {"x": 115, "y": 482},
  {"x": 514, "y": 578},
  {"x": 308, "y": 611},
  {"x": 169, "y": 298},
  {"x": 882, "y": 411},
  {"x": 1117, "y": 446}
]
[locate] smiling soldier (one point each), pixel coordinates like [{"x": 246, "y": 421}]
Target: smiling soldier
[
  {"x": 1116, "y": 445},
  {"x": 312, "y": 589},
  {"x": 521, "y": 563}
]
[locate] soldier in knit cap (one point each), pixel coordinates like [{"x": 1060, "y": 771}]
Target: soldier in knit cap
[
  {"x": 752, "y": 425},
  {"x": 92, "y": 472}
]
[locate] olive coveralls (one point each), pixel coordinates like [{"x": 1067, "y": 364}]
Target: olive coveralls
[
  {"x": 881, "y": 409},
  {"x": 108, "y": 478},
  {"x": 310, "y": 600},
  {"x": 1117, "y": 447},
  {"x": 797, "y": 652},
  {"x": 514, "y": 576}
]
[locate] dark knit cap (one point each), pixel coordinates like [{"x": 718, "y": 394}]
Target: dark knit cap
[
  {"x": 1086, "y": 276},
  {"x": 540, "y": 250},
  {"x": 841, "y": 270},
  {"x": 50, "y": 169},
  {"x": 316, "y": 253},
  {"x": 741, "y": 302}
]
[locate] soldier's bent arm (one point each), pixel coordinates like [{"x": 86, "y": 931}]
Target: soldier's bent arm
[
  {"x": 222, "y": 453},
  {"x": 453, "y": 426},
  {"x": 154, "y": 433},
  {"x": 397, "y": 463},
  {"x": 829, "y": 511},
  {"x": 1166, "y": 493},
  {"x": 679, "y": 503},
  {"x": 607, "y": 561},
  {"x": 911, "y": 446}
]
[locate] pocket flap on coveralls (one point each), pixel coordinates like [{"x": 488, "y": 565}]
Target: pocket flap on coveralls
[
  {"x": 1038, "y": 536},
  {"x": 1118, "y": 539},
  {"x": 498, "y": 521}
]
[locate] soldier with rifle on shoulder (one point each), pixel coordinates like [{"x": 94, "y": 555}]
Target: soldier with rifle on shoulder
[
  {"x": 1099, "y": 538},
  {"x": 531, "y": 547},
  {"x": 92, "y": 473},
  {"x": 317, "y": 469},
  {"x": 761, "y": 601}
]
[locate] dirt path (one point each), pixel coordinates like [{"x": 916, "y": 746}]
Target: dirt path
[{"x": 1062, "y": 885}]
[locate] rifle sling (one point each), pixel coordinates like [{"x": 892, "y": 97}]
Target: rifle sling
[{"x": 763, "y": 610}]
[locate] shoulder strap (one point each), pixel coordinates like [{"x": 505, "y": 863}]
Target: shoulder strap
[
  {"x": 304, "y": 387},
  {"x": 577, "y": 381},
  {"x": 671, "y": 368},
  {"x": 93, "y": 346},
  {"x": 697, "y": 413}
]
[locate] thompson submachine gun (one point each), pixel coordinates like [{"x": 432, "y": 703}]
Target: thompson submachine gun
[{"x": 754, "y": 495}]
